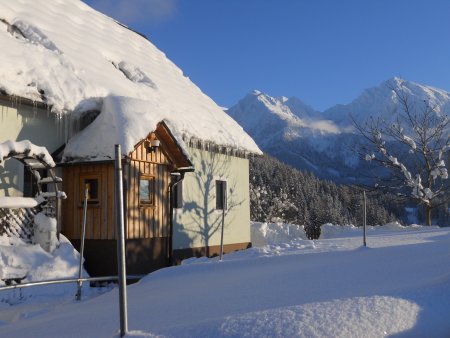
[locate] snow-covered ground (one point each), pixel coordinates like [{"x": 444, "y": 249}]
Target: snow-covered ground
[{"x": 398, "y": 286}]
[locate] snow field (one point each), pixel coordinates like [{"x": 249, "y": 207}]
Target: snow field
[{"x": 333, "y": 287}]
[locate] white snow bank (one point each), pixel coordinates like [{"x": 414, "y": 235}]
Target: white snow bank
[
  {"x": 65, "y": 53},
  {"x": 283, "y": 233},
  {"x": 9, "y": 148},
  {"x": 354, "y": 315},
  {"x": 275, "y": 233},
  {"x": 11, "y": 202},
  {"x": 336, "y": 231},
  {"x": 29, "y": 261}
]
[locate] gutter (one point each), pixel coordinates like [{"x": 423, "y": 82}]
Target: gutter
[{"x": 177, "y": 176}]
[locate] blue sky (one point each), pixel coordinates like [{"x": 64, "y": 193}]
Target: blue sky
[{"x": 322, "y": 51}]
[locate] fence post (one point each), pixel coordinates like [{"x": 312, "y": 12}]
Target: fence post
[
  {"x": 121, "y": 264},
  {"x": 364, "y": 218},
  {"x": 83, "y": 236}
]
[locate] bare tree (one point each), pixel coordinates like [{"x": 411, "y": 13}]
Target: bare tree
[{"x": 414, "y": 147}]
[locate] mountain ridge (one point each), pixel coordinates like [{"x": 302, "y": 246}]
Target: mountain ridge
[{"x": 322, "y": 142}]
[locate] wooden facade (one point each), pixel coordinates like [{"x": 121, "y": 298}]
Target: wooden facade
[
  {"x": 147, "y": 212},
  {"x": 147, "y": 220},
  {"x": 147, "y": 180}
]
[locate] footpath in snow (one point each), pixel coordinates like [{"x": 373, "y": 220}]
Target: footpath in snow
[{"x": 398, "y": 286}]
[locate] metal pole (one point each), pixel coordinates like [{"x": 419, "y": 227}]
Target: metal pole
[
  {"x": 224, "y": 206},
  {"x": 83, "y": 236},
  {"x": 121, "y": 265},
  {"x": 364, "y": 219}
]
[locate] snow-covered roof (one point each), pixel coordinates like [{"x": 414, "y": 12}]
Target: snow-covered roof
[
  {"x": 64, "y": 53},
  {"x": 123, "y": 121}
]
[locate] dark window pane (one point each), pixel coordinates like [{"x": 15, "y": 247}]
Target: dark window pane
[
  {"x": 221, "y": 192},
  {"x": 92, "y": 185},
  {"x": 178, "y": 195}
]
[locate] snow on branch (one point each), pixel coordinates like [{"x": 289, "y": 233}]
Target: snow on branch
[{"x": 414, "y": 145}]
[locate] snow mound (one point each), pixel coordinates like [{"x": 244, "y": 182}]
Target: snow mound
[
  {"x": 11, "y": 202},
  {"x": 353, "y": 317},
  {"x": 275, "y": 233},
  {"x": 32, "y": 263}
]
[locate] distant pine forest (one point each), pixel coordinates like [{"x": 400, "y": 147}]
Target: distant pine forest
[{"x": 281, "y": 193}]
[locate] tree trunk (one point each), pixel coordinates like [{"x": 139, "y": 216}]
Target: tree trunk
[{"x": 428, "y": 209}]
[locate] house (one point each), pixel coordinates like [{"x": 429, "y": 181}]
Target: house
[{"x": 78, "y": 82}]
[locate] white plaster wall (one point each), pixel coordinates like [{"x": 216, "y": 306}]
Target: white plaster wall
[
  {"x": 198, "y": 224},
  {"x": 22, "y": 122}
]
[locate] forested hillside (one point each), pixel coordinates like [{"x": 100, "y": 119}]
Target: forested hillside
[{"x": 279, "y": 192}]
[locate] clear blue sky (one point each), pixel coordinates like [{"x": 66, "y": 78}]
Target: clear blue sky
[{"x": 322, "y": 51}]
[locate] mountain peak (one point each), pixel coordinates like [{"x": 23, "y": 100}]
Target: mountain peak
[{"x": 383, "y": 101}]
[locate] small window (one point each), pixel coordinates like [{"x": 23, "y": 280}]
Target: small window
[
  {"x": 221, "y": 195},
  {"x": 147, "y": 190},
  {"x": 178, "y": 195},
  {"x": 92, "y": 184}
]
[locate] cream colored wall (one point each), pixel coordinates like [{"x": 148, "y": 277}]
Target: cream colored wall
[
  {"x": 22, "y": 122},
  {"x": 198, "y": 224}
]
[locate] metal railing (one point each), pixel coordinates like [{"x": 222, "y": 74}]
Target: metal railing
[{"x": 66, "y": 280}]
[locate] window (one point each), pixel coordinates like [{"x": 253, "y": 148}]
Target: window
[
  {"x": 221, "y": 195},
  {"x": 147, "y": 190},
  {"x": 178, "y": 195},
  {"x": 90, "y": 182},
  {"x": 30, "y": 186}
]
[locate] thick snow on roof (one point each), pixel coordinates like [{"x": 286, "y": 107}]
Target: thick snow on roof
[
  {"x": 64, "y": 52},
  {"x": 123, "y": 121}
]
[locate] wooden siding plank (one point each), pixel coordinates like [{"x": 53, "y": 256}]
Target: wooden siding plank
[
  {"x": 104, "y": 202},
  {"x": 76, "y": 201},
  {"x": 109, "y": 206},
  {"x": 112, "y": 202},
  {"x": 159, "y": 200}
]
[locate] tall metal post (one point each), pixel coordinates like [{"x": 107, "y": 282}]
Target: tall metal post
[
  {"x": 121, "y": 265},
  {"x": 83, "y": 236},
  {"x": 364, "y": 218}
]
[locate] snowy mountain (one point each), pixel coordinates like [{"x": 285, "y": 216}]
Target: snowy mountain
[
  {"x": 293, "y": 132},
  {"x": 323, "y": 142},
  {"x": 381, "y": 101},
  {"x": 268, "y": 118}
]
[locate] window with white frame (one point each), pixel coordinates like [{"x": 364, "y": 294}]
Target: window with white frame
[{"x": 146, "y": 190}]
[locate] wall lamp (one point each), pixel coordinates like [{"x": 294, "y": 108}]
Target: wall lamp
[{"x": 153, "y": 145}]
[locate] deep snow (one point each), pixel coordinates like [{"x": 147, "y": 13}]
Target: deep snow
[{"x": 398, "y": 286}]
